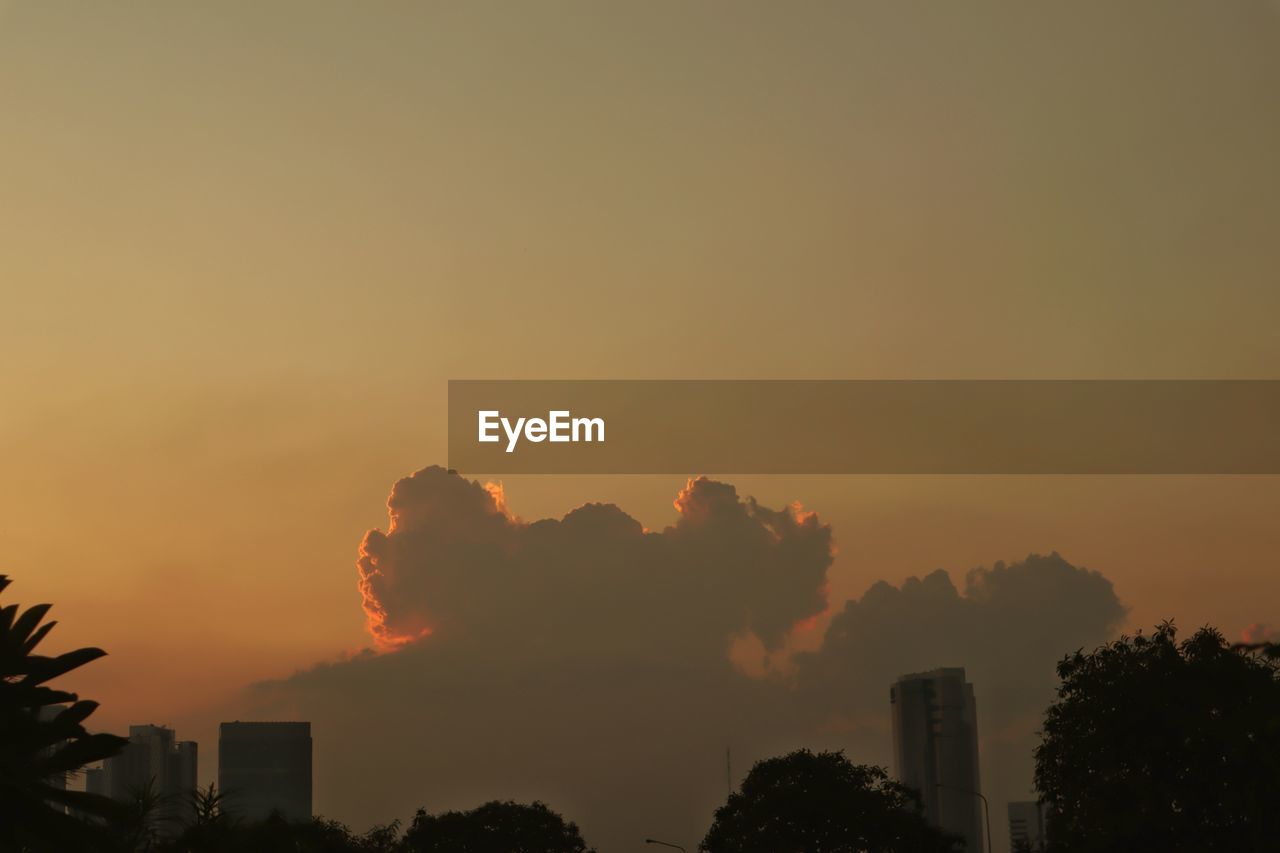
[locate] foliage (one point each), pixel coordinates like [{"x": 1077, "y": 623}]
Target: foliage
[
  {"x": 43, "y": 740},
  {"x": 215, "y": 832},
  {"x": 822, "y": 803},
  {"x": 1154, "y": 744},
  {"x": 495, "y": 827},
  {"x": 1271, "y": 651},
  {"x": 136, "y": 828}
]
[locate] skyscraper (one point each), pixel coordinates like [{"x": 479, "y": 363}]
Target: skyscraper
[
  {"x": 935, "y": 749},
  {"x": 265, "y": 768},
  {"x": 95, "y": 781},
  {"x": 153, "y": 761},
  {"x": 44, "y": 715},
  {"x": 1026, "y": 826}
]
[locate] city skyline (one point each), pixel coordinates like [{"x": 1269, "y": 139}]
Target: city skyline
[
  {"x": 153, "y": 765},
  {"x": 264, "y": 767}
]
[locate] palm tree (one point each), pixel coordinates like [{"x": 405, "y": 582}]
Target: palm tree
[
  {"x": 137, "y": 828},
  {"x": 207, "y": 805},
  {"x": 43, "y": 739},
  {"x": 209, "y": 827}
]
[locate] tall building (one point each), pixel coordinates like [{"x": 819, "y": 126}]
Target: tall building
[
  {"x": 154, "y": 763},
  {"x": 1026, "y": 827},
  {"x": 46, "y": 714},
  {"x": 265, "y": 768},
  {"x": 182, "y": 772},
  {"x": 935, "y": 749}
]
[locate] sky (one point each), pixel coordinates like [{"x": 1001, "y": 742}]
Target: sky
[{"x": 244, "y": 246}]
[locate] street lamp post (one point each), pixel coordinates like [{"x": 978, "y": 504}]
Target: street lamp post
[
  {"x": 986, "y": 807},
  {"x": 664, "y": 844}
]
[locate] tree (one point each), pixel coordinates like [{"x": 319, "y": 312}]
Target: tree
[
  {"x": 216, "y": 833},
  {"x": 43, "y": 739},
  {"x": 1269, "y": 650},
  {"x": 209, "y": 828},
  {"x": 207, "y": 806},
  {"x": 1154, "y": 744},
  {"x": 822, "y": 803},
  {"x": 136, "y": 826},
  {"x": 495, "y": 827}
]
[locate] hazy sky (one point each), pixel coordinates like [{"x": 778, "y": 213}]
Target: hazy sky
[{"x": 244, "y": 245}]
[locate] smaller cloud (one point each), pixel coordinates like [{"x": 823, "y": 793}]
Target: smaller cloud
[
  {"x": 1260, "y": 632},
  {"x": 1007, "y": 625}
]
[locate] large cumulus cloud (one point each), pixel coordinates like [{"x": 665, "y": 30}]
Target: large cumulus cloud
[
  {"x": 587, "y": 661},
  {"x": 457, "y": 565}
]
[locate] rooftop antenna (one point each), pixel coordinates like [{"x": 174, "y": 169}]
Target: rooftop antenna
[{"x": 728, "y": 772}]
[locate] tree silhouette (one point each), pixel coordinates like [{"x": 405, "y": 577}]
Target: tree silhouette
[
  {"x": 136, "y": 827},
  {"x": 1154, "y": 744},
  {"x": 209, "y": 828},
  {"x": 43, "y": 739},
  {"x": 217, "y": 833},
  {"x": 206, "y": 806},
  {"x": 1268, "y": 650},
  {"x": 496, "y": 827},
  {"x": 822, "y": 803}
]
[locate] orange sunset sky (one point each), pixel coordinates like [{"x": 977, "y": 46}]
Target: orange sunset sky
[{"x": 243, "y": 246}]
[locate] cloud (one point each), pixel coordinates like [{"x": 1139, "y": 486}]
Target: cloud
[
  {"x": 1004, "y": 626},
  {"x": 457, "y": 565},
  {"x": 1260, "y": 632},
  {"x": 586, "y": 661}
]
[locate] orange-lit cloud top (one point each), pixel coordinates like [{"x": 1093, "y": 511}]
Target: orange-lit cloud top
[
  {"x": 417, "y": 504},
  {"x": 456, "y": 562},
  {"x": 384, "y": 637}
]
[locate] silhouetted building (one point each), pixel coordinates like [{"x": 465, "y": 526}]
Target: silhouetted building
[
  {"x": 1026, "y": 826},
  {"x": 46, "y": 714},
  {"x": 154, "y": 764},
  {"x": 95, "y": 781},
  {"x": 183, "y": 772},
  {"x": 935, "y": 749},
  {"x": 265, "y": 768}
]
